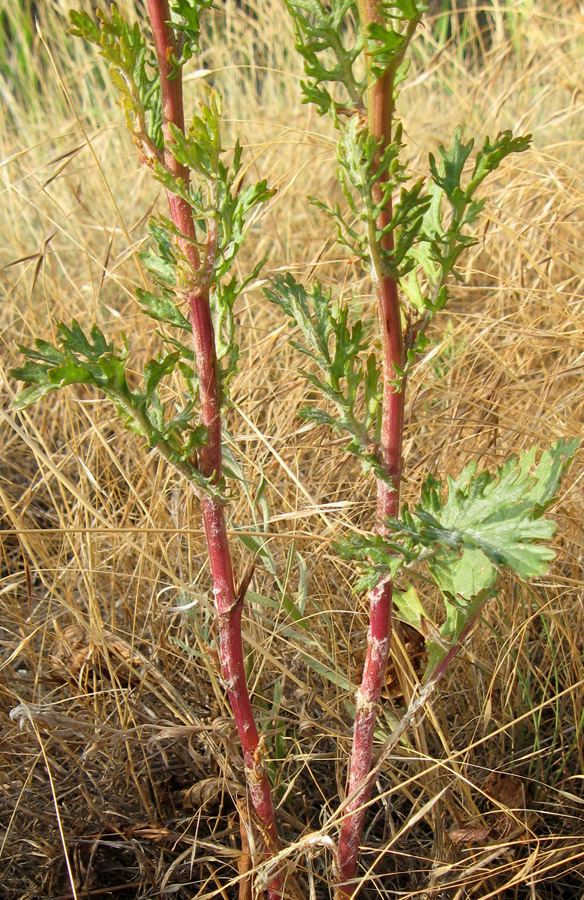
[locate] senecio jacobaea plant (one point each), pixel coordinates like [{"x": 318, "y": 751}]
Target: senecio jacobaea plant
[
  {"x": 193, "y": 296},
  {"x": 409, "y": 235}
]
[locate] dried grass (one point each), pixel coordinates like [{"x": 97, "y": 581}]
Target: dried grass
[{"x": 121, "y": 774}]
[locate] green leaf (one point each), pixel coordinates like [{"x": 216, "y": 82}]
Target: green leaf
[
  {"x": 42, "y": 351},
  {"x": 483, "y": 523},
  {"x": 317, "y": 95},
  {"x": 83, "y": 25},
  {"x": 389, "y": 36},
  {"x": 234, "y": 207},
  {"x": 309, "y": 310},
  {"x": 185, "y": 16},
  {"x": 161, "y": 265},
  {"x": 375, "y": 557},
  {"x": 453, "y": 160},
  {"x": 328, "y": 51},
  {"x": 155, "y": 370},
  {"x": 74, "y": 339},
  {"x": 163, "y": 309},
  {"x": 92, "y": 360},
  {"x": 463, "y": 576},
  {"x": 195, "y": 437},
  {"x": 44, "y": 379},
  {"x": 549, "y": 473},
  {"x": 409, "y": 608},
  {"x": 314, "y": 414},
  {"x": 385, "y": 46},
  {"x": 428, "y": 251},
  {"x": 370, "y": 174},
  {"x": 49, "y": 368},
  {"x": 491, "y": 155},
  {"x": 200, "y": 148},
  {"x": 498, "y": 514},
  {"x": 335, "y": 345},
  {"x": 133, "y": 70}
]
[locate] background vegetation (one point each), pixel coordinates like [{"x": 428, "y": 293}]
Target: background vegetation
[{"x": 120, "y": 772}]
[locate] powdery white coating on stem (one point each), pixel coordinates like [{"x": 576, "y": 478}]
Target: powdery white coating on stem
[
  {"x": 360, "y": 781},
  {"x": 378, "y": 651},
  {"x": 231, "y": 680},
  {"x": 364, "y": 705},
  {"x": 352, "y": 843},
  {"x": 376, "y": 594},
  {"x": 221, "y": 589},
  {"x": 365, "y": 718},
  {"x": 213, "y": 524},
  {"x": 254, "y": 776},
  {"x": 375, "y": 279}
]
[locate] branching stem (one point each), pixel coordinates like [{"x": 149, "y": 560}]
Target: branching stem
[{"x": 380, "y": 113}]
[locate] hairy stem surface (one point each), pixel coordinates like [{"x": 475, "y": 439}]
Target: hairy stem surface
[{"x": 228, "y": 603}]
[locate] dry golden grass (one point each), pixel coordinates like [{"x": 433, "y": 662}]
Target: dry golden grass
[{"x": 120, "y": 769}]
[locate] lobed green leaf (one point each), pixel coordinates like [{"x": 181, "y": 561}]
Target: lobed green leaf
[
  {"x": 133, "y": 69},
  {"x": 329, "y": 53},
  {"x": 499, "y": 514}
]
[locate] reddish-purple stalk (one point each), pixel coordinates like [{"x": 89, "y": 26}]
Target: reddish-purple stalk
[
  {"x": 228, "y": 602},
  {"x": 360, "y": 782}
]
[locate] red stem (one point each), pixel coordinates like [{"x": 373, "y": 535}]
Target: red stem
[
  {"x": 360, "y": 782},
  {"x": 228, "y": 603},
  {"x": 172, "y": 112}
]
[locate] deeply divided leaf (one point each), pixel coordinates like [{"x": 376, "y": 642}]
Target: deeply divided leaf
[
  {"x": 335, "y": 344},
  {"x": 90, "y": 359},
  {"x": 499, "y": 514},
  {"x": 133, "y": 69}
]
